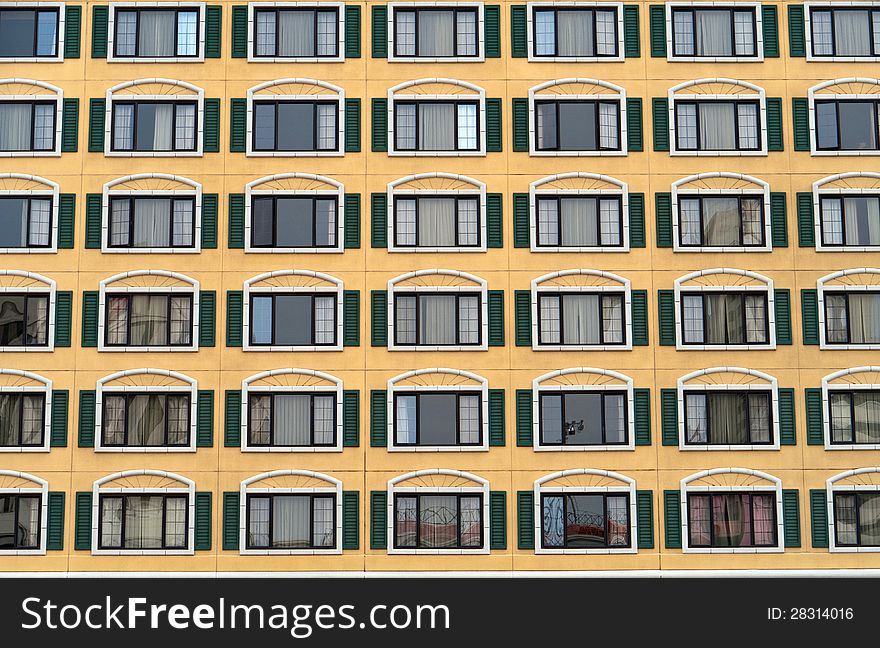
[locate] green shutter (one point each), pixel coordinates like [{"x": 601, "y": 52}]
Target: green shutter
[
  {"x": 797, "y": 42},
  {"x": 379, "y": 131},
  {"x": 645, "y": 518},
  {"x": 82, "y": 532},
  {"x": 97, "y": 109},
  {"x": 522, "y": 306},
  {"x": 235, "y": 240},
  {"x": 778, "y": 219},
  {"x": 90, "y": 319},
  {"x": 378, "y": 519},
  {"x": 775, "y": 136},
  {"x": 232, "y": 419},
  {"x": 672, "y": 525},
  {"x": 791, "y": 517},
  {"x": 352, "y": 221},
  {"x": 351, "y": 518},
  {"x": 787, "y": 418},
  {"x": 202, "y": 531},
  {"x": 525, "y": 519},
  {"x": 379, "y": 318},
  {"x": 234, "y": 314},
  {"x": 351, "y": 318},
  {"x": 663, "y": 218},
  {"x": 210, "y": 207},
  {"x": 524, "y": 418},
  {"x": 666, "y": 316},
  {"x": 205, "y": 419},
  {"x": 239, "y": 31},
  {"x": 66, "y": 221},
  {"x": 494, "y": 220},
  {"x": 213, "y": 30},
  {"x": 782, "y": 304},
  {"x": 521, "y": 225},
  {"x": 72, "y": 29},
  {"x": 520, "y": 117},
  {"x": 497, "y": 520},
  {"x": 379, "y": 220},
  {"x": 669, "y": 416},
  {"x": 810, "y": 315},
  {"x": 351, "y": 418},
  {"x": 642, "y": 415},
  {"x": 94, "y": 209},
  {"x": 352, "y": 125},
  {"x": 805, "y": 220},
  {"x": 63, "y": 317},
  {"x": 496, "y": 418},
  {"x": 770, "y": 23},
  {"x": 55, "y": 521},
  {"x": 492, "y": 30},
  {"x": 634, "y": 139},
  {"x": 86, "y": 418},
  {"x": 496, "y": 317},
  {"x": 58, "y": 418},
  {"x": 815, "y": 416},
  {"x": 353, "y": 34},
  {"x": 494, "y": 133},
  {"x": 658, "y": 30},
  {"x": 819, "y": 516},
  {"x": 380, "y": 31},
  {"x": 636, "y": 219},
  {"x": 238, "y": 125},
  {"x": 378, "y": 418},
  {"x": 211, "y": 117},
  {"x": 632, "y": 46},
  {"x": 519, "y": 40},
  {"x": 207, "y": 318},
  {"x": 640, "y": 334},
  {"x": 800, "y": 123},
  {"x": 100, "y": 20},
  {"x": 660, "y": 112},
  {"x": 70, "y": 125},
  {"x": 231, "y": 515}
]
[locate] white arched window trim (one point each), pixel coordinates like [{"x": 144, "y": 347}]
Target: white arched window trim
[
  {"x": 687, "y": 489},
  {"x": 771, "y": 385},
  {"x": 191, "y": 387},
  {"x": 808, "y": 31},
  {"x": 48, "y": 288},
  {"x": 814, "y": 94},
  {"x": 530, "y": 26},
  {"x": 830, "y": 489},
  {"x": 59, "y": 102},
  {"x": 247, "y": 390},
  {"x": 187, "y": 487},
  {"x": 59, "y": 52},
  {"x": 52, "y": 190},
  {"x": 481, "y": 47},
  {"x": 40, "y": 487},
  {"x": 829, "y": 387},
  {"x": 849, "y": 288},
  {"x": 340, "y": 31},
  {"x": 482, "y": 488},
  {"x": 678, "y": 191},
  {"x": 819, "y": 192},
  {"x": 334, "y": 487},
  {"x": 111, "y": 33},
  {"x": 759, "y": 35},
  {"x": 46, "y": 390}
]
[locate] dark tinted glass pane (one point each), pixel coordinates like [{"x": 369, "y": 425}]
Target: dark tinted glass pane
[
  {"x": 325, "y": 222},
  {"x": 577, "y": 126},
  {"x": 585, "y": 521},
  {"x": 296, "y": 127},
  {"x": 261, "y": 221},
  {"x": 293, "y": 320},
  {"x": 546, "y": 126},
  {"x": 11, "y": 320},
  {"x": 17, "y": 33},
  {"x": 13, "y": 222},
  {"x": 264, "y": 127},
  {"x": 294, "y": 222},
  {"x": 858, "y": 125},
  {"x": 551, "y": 419},
  {"x": 437, "y": 417},
  {"x": 826, "y": 125},
  {"x": 583, "y": 419}
]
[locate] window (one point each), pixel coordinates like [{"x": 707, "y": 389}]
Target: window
[
  {"x": 579, "y": 221},
  {"x": 154, "y": 126},
  {"x": 436, "y": 32},
  {"x": 714, "y": 32},
  {"x": 301, "y": 32},
  {"x": 850, "y": 220},
  {"x": 294, "y": 222},
  {"x": 145, "y": 420},
  {"x": 28, "y": 32},
  {"x": 728, "y": 417},
  {"x": 584, "y": 418},
  {"x": 721, "y": 221},
  {"x": 854, "y": 416},
  {"x": 573, "y": 32},
  {"x": 438, "y": 521},
  {"x": 717, "y": 125},
  {"x": 148, "y": 521},
  {"x": 152, "y": 222},
  {"x": 156, "y": 33},
  {"x": 852, "y": 317},
  {"x": 725, "y": 318},
  {"x": 437, "y": 319},
  {"x": 293, "y": 319},
  {"x": 847, "y": 125},
  {"x": 585, "y": 521},
  {"x": 22, "y": 420},
  {"x": 27, "y": 125},
  {"x": 857, "y": 519},
  {"x": 581, "y": 318},
  {"x": 20, "y": 521},
  {"x": 24, "y": 319},
  {"x": 844, "y": 31},
  {"x": 437, "y": 221},
  {"x": 149, "y": 319},
  {"x": 26, "y": 222},
  {"x": 436, "y": 125},
  {"x": 295, "y": 126},
  {"x": 291, "y": 419},
  {"x": 438, "y": 419},
  {"x": 732, "y": 519},
  {"x": 291, "y": 521},
  {"x": 577, "y": 125}
]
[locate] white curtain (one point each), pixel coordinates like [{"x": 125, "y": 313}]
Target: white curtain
[
  {"x": 143, "y": 522},
  {"x": 862, "y": 220},
  {"x": 265, "y": 44},
  {"x": 405, "y": 228},
  {"x": 123, "y": 127},
  {"x": 574, "y": 34},
  {"x": 721, "y": 221},
  {"x": 405, "y": 26},
  {"x": 713, "y": 33},
  {"x": 696, "y": 421},
  {"x": 866, "y": 406},
  {"x": 717, "y": 126},
  {"x": 292, "y": 420},
  {"x": 152, "y": 222},
  {"x": 162, "y": 127},
  {"x": 869, "y": 519},
  {"x": 437, "y": 319},
  {"x": 296, "y": 33},
  {"x": 436, "y": 33},
  {"x": 9, "y": 416},
  {"x": 146, "y": 420},
  {"x": 581, "y": 319},
  {"x": 15, "y": 126},
  {"x": 549, "y": 314},
  {"x": 437, "y": 127},
  {"x": 149, "y": 320},
  {"x": 728, "y": 419},
  {"x": 437, "y": 222},
  {"x": 546, "y": 124},
  {"x": 290, "y": 522},
  {"x": 156, "y": 31},
  {"x": 832, "y": 221},
  {"x": 579, "y": 227},
  {"x": 405, "y": 419},
  {"x": 852, "y": 33},
  {"x": 864, "y": 318}
]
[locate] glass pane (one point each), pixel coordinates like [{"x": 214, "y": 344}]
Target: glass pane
[
  {"x": 841, "y": 418},
  {"x": 405, "y": 419},
  {"x": 548, "y": 221},
  {"x": 579, "y": 222},
  {"x": 10, "y": 417},
  {"x": 690, "y": 229},
  {"x": 866, "y": 414},
  {"x": 292, "y": 420},
  {"x": 731, "y": 516},
  {"x": 405, "y": 320},
  {"x": 13, "y": 222},
  {"x": 435, "y": 33},
  {"x": 575, "y": 33},
  {"x": 437, "y": 319},
  {"x": 466, "y": 33},
  {"x": 290, "y": 522},
  {"x": 32, "y": 408},
  {"x": 185, "y": 127},
  {"x": 580, "y": 319},
  {"x": 184, "y": 220},
  {"x": 869, "y": 519},
  {"x": 149, "y": 320},
  {"x": 37, "y": 322},
  {"x": 609, "y": 222},
  {"x": 27, "y": 526},
  {"x": 759, "y": 418},
  {"x": 293, "y": 320},
  {"x": 823, "y": 41},
  {"x": 469, "y": 419},
  {"x": 264, "y": 126},
  {"x": 323, "y": 531},
  {"x": 717, "y": 126},
  {"x": 17, "y": 33},
  {"x": 864, "y": 318},
  {"x": 713, "y": 33},
  {"x": 325, "y": 222},
  {"x": 405, "y": 527},
  {"x": 405, "y": 224},
  {"x": 832, "y": 221},
  {"x": 836, "y": 320},
  {"x": 436, "y": 224},
  {"x": 612, "y": 319},
  {"x": 111, "y": 522},
  {"x": 862, "y": 222},
  {"x": 585, "y": 521},
  {"x": 156, "y": 31},
  {"x": 699, "y": 521},
  {"x": 175, "y": 522},
  {"x": 437, "y": 127},
  {"x": 756, "y": 319},
  {"x": 438, "y": 414},
  {"x": 294, "y": 222},
  {"x": 545, "y": 33},
  {"x": 858, "y": 125},
  {"x": 296, "y": 33},
  {"x": 146, "y": 420},
  {"x": 577, "y": 126},
  {"x": 405, "y": 127},
  {"x": 258, "y": 521},
  {"x": 467, "y": 127},
  {"x": 266, "y": 28},
  {"x": 438, "y": 522},
  {"x": 551, "y": 418},
  {"x": 468, "y": 222},
  {"x": 553, "y": 521},
  {"x": 152, "y": 222},
  {"x": 547, "y": 126},
  {"x": 260, "y": 421},
  {"x": 12, "y": 320},
  {"x": 405, "y": 26},
  {"x": 744, "y": 33},
  {"x": 692, "y": 306},
  {"x": 826, "y": 125},
  {"x": 615, "y": 418},
  {"x": 727, "y": 419},
  {"x": 325, "y": 320},
  {"x": 327, "y": 38},
  {"x": 550, "y": 323},
  {"x": 469, "y": 319},
  {"x": 696, "y": 418},
  {"x": 296, "y": 126},
  {"x": 852, "y": 33},
  {"x": 845, "y": 520},
  {"x": 181, "y": 320},
  {"x": 683, "y": 33},
  {"x": 143, "y": 522},
  {"x": 582, "y": 423},
  {"x": 686, "y": 126},
  {"x": 471, "y": 522}
]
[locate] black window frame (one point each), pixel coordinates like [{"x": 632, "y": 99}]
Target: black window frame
[
  {"x": 311, "y": 497},
  {"x": 129, "y": 397},
  {"x": 128, "y": 296},
  {"x": 253, "y": 395},
  {"x": 849, "y": 393},
  {"x": 282, "y": 293},
  {"x": 617, "y": 103},
  {"x": 836, "y": 103},
  {"x": 744, "y": 394},
  {"x": 846, "y": 294},
  {"x": 28, "y": 199},
  {"x": 579, "y": 293},
  {"x": 455, "y": 103},
  {"x": 36, "y": 9},
  {"x": 736, "y": 104},
  {"x": 604, "y": 495},
  {"x": 597, "y": 198},
  {"x": 751, "y": 494},
  {"x": 114, "y": 103},
  {"x": 858, "y": 525},
  {"x": 20, "y": 396},
  {"x": 124, "y": 497},
  {"x": 692, "y": 10},
  {"x": 17, "y": 497},
  {"x": 554, "y": 10},
  {"x": 578, "y": 392},
  {"x": 457, "y": 422},
  {"x": 33, "y": 104},
  {"x": 455, "y": 11},
  {"x": 314, "y": 103},
  {"x": 417, "y": 198},
  {"x": 137, "y": 43},
  {"x": 841, "y": 199},
  {"x": 727, "y": 291},
  {"x": 417, "y": 294},
  {"x": 833, "y": 10},
  {"x": 314, "y": 200},
  {"x": 50, "y": 314},
  {"x": 458, "y": 497},
  {"x": 132, "y": 201},
  {"x": 739, "y": 197},
  {"x": 315, "y": 11}
]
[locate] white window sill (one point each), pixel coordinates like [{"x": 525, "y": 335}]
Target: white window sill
[
  {"x": 842, "y": 59},
  {"x": 295, "y": 59},
  {"x": 854, "y": 549},
  {"x": 24, "y": 449},
  {"x": 718, "y": 153},
  {"x": 25, "y": 250},
  {"x": 152, "y": 154},
  {"x": 852, "y": 446},
  {"x": 33, "y": 59},
  {"x": 295, "y": 154},
  {"x": 606, "y": 153},
  {"x": 292, "y": 349},
  {"x": 48, "y": 349},
  {"x": 582, "y": 347},
  {"x": 725, "y": 347},
  {"x": 152, "y": 349},
  {"x": 437, "y": 153},
  {"x": 714, "y": 59},
  {"x": 845, "y": 153},
  {"x": 180, "y": 250},
  {"x": 171, "y": 59},
  {"x": 30, "y": 154},
  {"x": 289, "y": 449},
  {"x": 438, "y": 552},
  {"x": 849, "y": 347},
  {"x": 848, "y": 248},
  {"x": 436, "y": 59},
  {"x": 156, "y": 450},
  {"x": 290, "y": 552},
  {"x": 302, "y": 250},
  {"x": 684, "y": 447},
  {"x": 24, "y": 552},
  {"x": 726, "y": 250},
  {"x": 143, "y": 552},
  {"x": 437, "y": 250},
  {"x": 450, "y": 448},
  {"x": 475, "y": 347},
  {"x": 546, "y": 551},
  {"x": 732, "y": 550},
  {"x": 576, "y": 59},
  {"x": 584, "y": 448},
  {"x": 578, "y": 250}
]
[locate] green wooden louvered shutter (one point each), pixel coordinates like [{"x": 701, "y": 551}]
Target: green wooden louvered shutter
[
  {"x": 492, "y": 30},
  {"x": 97, "y": 109},
  {"x": 635, "y": 141},
  {"x": 72, "y": 30},
  {"x": 379, "y": 35},
  {"x": 82, "y": 532},
  {"x": 645, "y": 518},
  {"x": 235, "y": 236},
  {"x": 379, "y": 317},
  {"x": 351, "y": 318},
  {"x": 814, "y": 408},
  {"x": 211, "y": 124},
  {"x": 770, "y": 28},
  {"x": 639, "y": 317},
  {"x": 521, "y": 209},
  {"x": 66, "y": 221},
  {"x": 496, "y": 317},
  {"x": 819, "y": 517},
  {"x": 797, "y": 42},
  {"x": 69, "y": 125},
  {"x": 636, "y": 219},
  {"x": 672, "y": 513},
  {"x": 202, "y": 523},
  {"x": 800, "y": 123},
  {"x": 234, "y": 314},
  {"x": 213, "y": 31},
  {"x": 496, "y": 418},
  {"x": 497, "y": 520},
  {"x": 642, "y": 415},
  {"x": 522, "y": 304},
  {"x": 205, "y": 419},
  {"x": 494, "y": 131},
  {"x": 94, "y": 209},
  {"x": 352, "y": 220},
  {"x": 378, "y": 418},
  {"x": 378, "y": 519},
  {"x": 787, "y": 418},
  {"x": 778, "y": 219},
  {"x": 55, "y": 521},
  {"x": 663, "y": 218},
  {"x": 232, "y": 419},
  {"x": 63, "y": 317},
  {"x": 519, "y": 40},
  {"x": 632, "y": 47},
  {"x": 237, "y": 125},
  {"x": 351, "y": 418},
  {"x": 660, "y": 113},
  {"x": 782, "y": 309},
  {"x": 352, "y": 125},
  {"x": 379, "y": 131},
  {"x": 666, "y": 316},
  {"x": 791, "y": 517},
  {"x": 210, "y": 207},
  {"x": 231, "y": 520},
  {"x": 100, "y": 21},
  {"x": 805, "y": 220},
  {"x": 58, "y": 418},
  {"x": 353, "y": 32},
  {"x": 90, "y": 319},
  {"x": 810, "y": 315},
  {"x": 520, "y": 116},
  {"x": 379, "y": 220},
  {"x": 775, "y": 136},
  {"x": 239, "y": 31},
  {"x": 351, "y": 520},
  {"x": 669, "y": 416},
  {"x": 525, "y": 519},
  {"x": 86, "y": 436},
  {"x": 657, "y": 17},
  {"x": 524, "y": 418},
  {"x": 207, "y": 318},
  {"x": 494, "y": 220}
]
